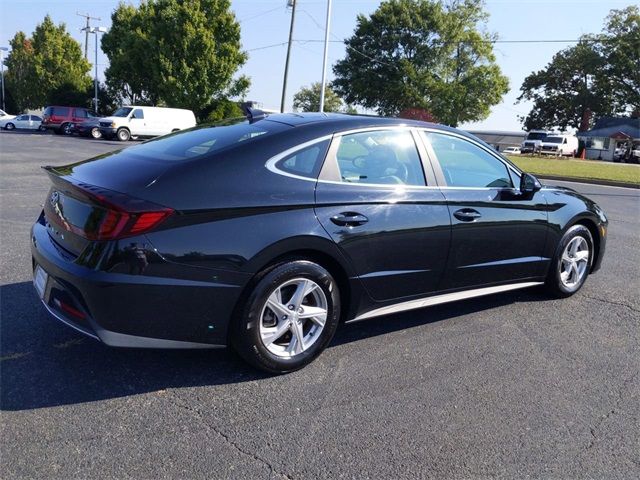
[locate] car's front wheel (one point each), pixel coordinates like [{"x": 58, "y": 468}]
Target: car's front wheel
[
  {"x": 288, "y": 318},
  {"x": 571, "y": 263},
  {"x": 123, "y": 135},
  {"x": 95, "y": 133},
  {"x": 10, "y": 126}
]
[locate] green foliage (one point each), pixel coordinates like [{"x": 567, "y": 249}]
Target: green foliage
[
  {"x": 42, "y": 68},
  {"x": 598, "y": 75},
  {"x": 181, "y": 54},
  {"x": 221, "y": 109},
  {"x": 20, "y": 73},
  {"x": 422, "y": 54},
  {"x": 621, "y": 54},
  {"x": 308, "y": 99}
]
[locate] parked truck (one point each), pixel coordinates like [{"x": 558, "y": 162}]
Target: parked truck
[
  {"x": 533, "y": 141},
  {"x": 561, "y": 145}
]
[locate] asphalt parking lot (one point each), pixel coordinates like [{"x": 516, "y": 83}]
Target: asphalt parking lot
[{"x": 514, "y": 385}]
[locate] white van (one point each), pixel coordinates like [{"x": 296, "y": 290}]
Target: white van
[
  {"x": 560, "y": 145},
  {"x": 135, "y": 121}
]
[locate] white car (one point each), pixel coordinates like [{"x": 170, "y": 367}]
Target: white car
[
  {"x": 29, "y": 122},
  {"x": 5, "y": 116},
  {"x": 511, "y": 151}
]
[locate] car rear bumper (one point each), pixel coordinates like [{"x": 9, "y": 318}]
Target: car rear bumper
[{"x": 126, "y": 310}]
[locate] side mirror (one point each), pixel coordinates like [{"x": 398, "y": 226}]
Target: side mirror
[{"x": 529, "y": 183}]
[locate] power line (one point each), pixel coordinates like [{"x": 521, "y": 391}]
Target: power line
[{"x": 257, "y": 15}]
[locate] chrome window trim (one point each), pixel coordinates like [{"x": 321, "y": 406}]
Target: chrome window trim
[{"x": 271, "y": 163}]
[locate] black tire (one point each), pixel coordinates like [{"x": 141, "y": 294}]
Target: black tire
[
  {"x": 554, "y": 284},
  {"x": 42, "y": 129},
  {"x": 66, "y": 129},
  {"x": 95, "y": 133},
  {"x": 123, "y": 135},
  {"x": 245, "y": 330},
  {"x": 10, "y": 126}
]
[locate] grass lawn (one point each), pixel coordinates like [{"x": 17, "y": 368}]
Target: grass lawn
[{"x": 579, "y": 169}]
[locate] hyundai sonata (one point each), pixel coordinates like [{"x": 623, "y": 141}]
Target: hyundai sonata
[{"x": 265, "y": 234}]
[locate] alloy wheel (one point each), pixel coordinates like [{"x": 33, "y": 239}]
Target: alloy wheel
[
  {"x": 574, "y": 262},
  {"x": 293, "y": 317}
]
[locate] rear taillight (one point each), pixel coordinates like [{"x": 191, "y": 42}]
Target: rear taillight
[{"x": 105, "y": 214}]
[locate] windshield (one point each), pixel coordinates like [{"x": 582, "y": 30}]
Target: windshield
[
  {"x": 553, "y": 140},
  {"x": 536, "y": 136},
  {"x": 122, "y": 112},
  {"x": 202, "y": 140}
]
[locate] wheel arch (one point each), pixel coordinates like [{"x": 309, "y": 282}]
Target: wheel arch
[
  {"x": 318, "y": 250},
  {"x": 591, "y": 225}
]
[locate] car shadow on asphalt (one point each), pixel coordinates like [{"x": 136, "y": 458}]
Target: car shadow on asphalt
[{"x": 46, "y": 364}]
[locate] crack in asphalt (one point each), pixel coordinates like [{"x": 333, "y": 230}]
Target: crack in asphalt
[
  {"x": 611, "y": 302},
  {"x": 603, "y": 418},
  {"x": 177, "y": 401}
]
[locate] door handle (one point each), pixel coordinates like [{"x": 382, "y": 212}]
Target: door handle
[
  {"x": 466, "y": 214},
  {"x": 349, "y": 219}
]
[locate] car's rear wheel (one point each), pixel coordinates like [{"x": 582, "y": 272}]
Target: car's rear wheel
[
  {"x": 10, "y": 126},
  {"x": 571, "y": 263},
  {"x": 123, "y": 135},
  {"x": 96, "y": 133},
  {"x": 289, "y": 317}
]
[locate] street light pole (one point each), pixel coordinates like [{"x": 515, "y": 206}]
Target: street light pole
[
  {"x": 286, "y": 65},
  {"x": 95, "y": 79},
  {"x": 96, "y": 31},
  {"x": 324, "y": 59},
  {"x": 2, "y": 50}
]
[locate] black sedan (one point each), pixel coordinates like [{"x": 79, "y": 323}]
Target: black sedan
[{"x": 264, "y": 234}]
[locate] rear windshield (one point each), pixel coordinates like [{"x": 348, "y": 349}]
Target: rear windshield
[{"x": 203, "y": 140}]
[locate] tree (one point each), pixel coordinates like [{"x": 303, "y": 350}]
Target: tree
[
  {"x": 566, "y": 89},
  {"x": 308, "y": 99},
  {"x": 621, "y": 54},
  {"x": 20, "y": 73},
  {"x": 422, "y": 54},
  {"x": 597, "y": 77},
  {"x": 182, "y": 54},
  {"x": 41, "y": 67}
]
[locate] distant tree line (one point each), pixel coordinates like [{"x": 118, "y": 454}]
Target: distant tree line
[{"x": 424, "y": 59}]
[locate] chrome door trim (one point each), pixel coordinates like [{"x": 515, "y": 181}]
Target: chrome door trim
[{"x": 440, "y": 299}]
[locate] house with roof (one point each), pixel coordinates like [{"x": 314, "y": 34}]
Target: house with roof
[{"x": 607, "y": 134}]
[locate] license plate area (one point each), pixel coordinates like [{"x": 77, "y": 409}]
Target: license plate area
[{"x": 40, "y": 278}]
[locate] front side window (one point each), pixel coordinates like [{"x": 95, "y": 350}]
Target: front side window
[
  {"x": 138, "y": 113},
  {"x": 22, "y": 118},
  {"x": 80, "y": 113},
  {"x": 467, "y": 165},
  {"x": 305, "y": 162},
  {"x": 380, "y": 157}
]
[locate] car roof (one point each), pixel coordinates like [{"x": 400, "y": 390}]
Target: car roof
[{"x": 336, "y": 122}]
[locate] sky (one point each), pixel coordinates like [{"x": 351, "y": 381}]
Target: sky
[{"x": 265, "y": 29}]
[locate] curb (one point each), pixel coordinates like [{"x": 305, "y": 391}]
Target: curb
[{"x": 609, "y": 183}]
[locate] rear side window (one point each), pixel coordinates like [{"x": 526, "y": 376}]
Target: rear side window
[
  {"x": 305, "y": 162},
  {"x": 380, "y": 157},
  {"x": 205, "y": 140},
  {"x": 467, "y": 165},
  {"x": 58, "y": 111}
]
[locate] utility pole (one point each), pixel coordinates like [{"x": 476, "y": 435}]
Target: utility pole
[
  {"x": 86, "y": 30},
  {"x": 2, "y": 50},
  {"x": 324, "y": 58},
  {"x": 291, "y": 3}
]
